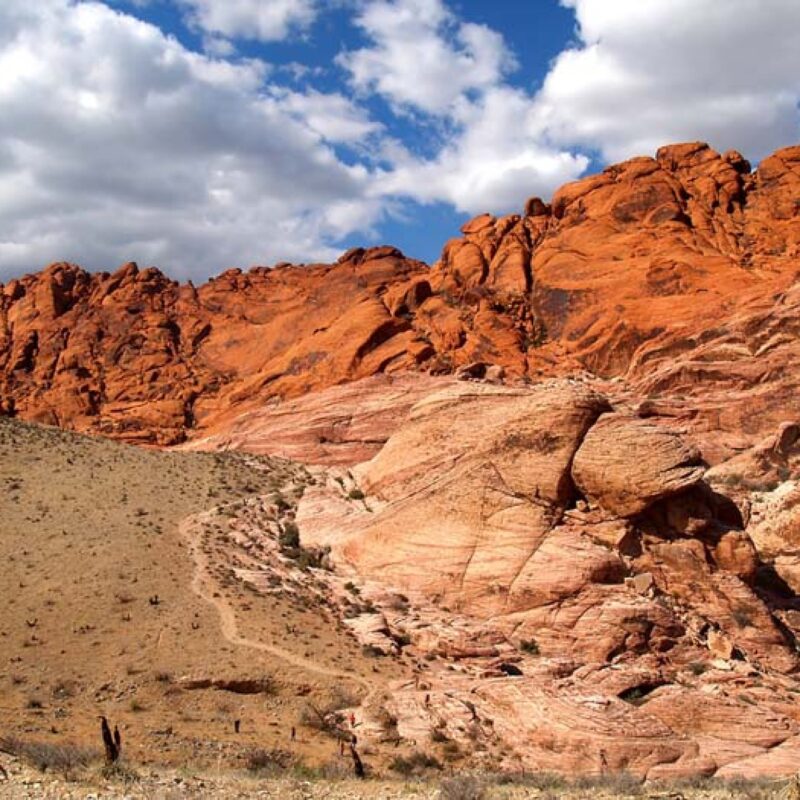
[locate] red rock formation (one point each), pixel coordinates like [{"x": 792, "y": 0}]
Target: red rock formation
[
  {"x": 136, "y": 356},
  {"x": 576, "y": 515},
  {"x": 675, "y": 272}
]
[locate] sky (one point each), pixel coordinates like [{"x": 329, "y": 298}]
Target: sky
[{"x": 198, "y": 135}]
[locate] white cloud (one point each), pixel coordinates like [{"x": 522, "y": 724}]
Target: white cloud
[
  {"x": 332, "y": 116},
  {"x": 265, "y": 20},
  {"x": 495, "y": 161},
  {"x": 117, "y": 143},
  {"x": 647, "y": 73},
  {"x": 643, "y": 74},
  {"x": 422, "y": 57}
]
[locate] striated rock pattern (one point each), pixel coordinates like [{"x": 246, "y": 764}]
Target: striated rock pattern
[
  {"x": 609, "y": 609},
  {"x": 625, "y": 464},
  {"x": 676, "y": 273},
  {"x": 341, "y": 425}
]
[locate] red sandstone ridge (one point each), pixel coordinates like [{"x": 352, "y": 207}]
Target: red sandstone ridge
[
  {"x": 676, "y": 273},
  {"x": 136, "y": 356}
]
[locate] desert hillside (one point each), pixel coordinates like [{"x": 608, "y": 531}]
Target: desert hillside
[{"x": 123, "y": 596}]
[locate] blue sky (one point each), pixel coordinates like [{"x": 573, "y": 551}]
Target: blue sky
[
  {"x": 535, "y": 31},
  {"x": 202, "y": 134}
]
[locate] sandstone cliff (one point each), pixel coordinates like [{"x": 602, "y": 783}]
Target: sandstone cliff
[
  {"x": 559, "y": 468},
  {"x": 676, "y": 273}
]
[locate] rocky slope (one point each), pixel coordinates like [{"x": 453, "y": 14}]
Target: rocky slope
[
  {"x": 557, "y": 474},
  {"x": 608, "y": 609},
  {"x": 675, "y": 272}
]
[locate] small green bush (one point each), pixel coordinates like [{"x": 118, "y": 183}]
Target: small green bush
[
  {"x": 290, "y": 535},
  {"x": 530, "y": 646}
]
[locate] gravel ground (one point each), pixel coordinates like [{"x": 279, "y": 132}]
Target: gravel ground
[{"x": 25, "y": 783}]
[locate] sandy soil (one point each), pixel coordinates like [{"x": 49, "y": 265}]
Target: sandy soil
[{"x": 105, "y": 610}]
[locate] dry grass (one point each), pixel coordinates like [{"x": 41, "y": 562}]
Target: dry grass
[{"x": 64, "y": 758}]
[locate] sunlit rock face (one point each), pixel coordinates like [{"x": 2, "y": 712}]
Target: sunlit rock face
[{"x": 676, "y": 273}]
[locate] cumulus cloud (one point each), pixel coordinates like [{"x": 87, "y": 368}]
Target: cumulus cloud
[
  {"x": 641, "y": 74},
  {"x": 118, "y": 143},
  {"x": 264, "y": 20},
  {"x": 332, "y": 116},
  {"x": 675, "y": 70},
  {"x": 420, "y": 56},
  {"x": 496, "y": 159},
  {"x": 423, "y": 60}
]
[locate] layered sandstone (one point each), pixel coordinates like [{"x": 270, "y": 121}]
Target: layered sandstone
[{"x": 606, "y": 606}]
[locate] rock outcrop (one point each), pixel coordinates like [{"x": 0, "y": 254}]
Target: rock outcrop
[
  {"x": 138, "y": 357},
  {"x": 626, "y": 464},
  {"x": 604, "y": 603}
]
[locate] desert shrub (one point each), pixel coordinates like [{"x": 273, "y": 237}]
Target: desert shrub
[
  {"x": 280, "y": 502},
  {"x": 741, "y": 616},
  {"x": 336, "y": 770},
  {"x": 306, "y": 559},
  {"x": 462, "y": 787},
  {"x": 439, "y": 735},
  {"x": 615, "y": 783},
  {"x": 543, "y": 781},
  {"x": 268, "y": 760},
  {"x": 757, "y": 788},
  {"x": 356, "y": 494},
  {"x": 388, "y": 723},
  {"x": 342, "y": 697},
  {"x": 530, "y": 646},
  {"x": 697, "y": 668},
  {"x": 414, "y": 764},
  {"x": 64, "y": 758},
  {"x": 318, "y": 719},
  {"x": 290, "y": 535},
  {"x": 451, "y": 751},
  {"x": 119, "y": 773},
  {"x": 63, "y": 689}
]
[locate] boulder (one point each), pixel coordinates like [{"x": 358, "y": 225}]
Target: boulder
[{"x": 625, "y": 464}]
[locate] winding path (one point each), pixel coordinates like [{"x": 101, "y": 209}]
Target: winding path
[{"x": 191, "y": 530}]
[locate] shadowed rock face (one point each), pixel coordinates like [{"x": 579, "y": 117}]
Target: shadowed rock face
[{"x": 675, "y": 272}]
